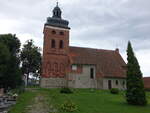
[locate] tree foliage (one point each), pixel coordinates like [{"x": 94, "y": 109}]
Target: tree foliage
[
  {"x": 4, "y": 59},
  {"x": 10, "y": 47},
  {"x": 135, "y": 88},
  {"x": 31, "y": 59},
  {"x": 12, "y": 42}
]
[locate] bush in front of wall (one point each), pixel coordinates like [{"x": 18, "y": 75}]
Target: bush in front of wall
[
  {"x": 114, "y": 91},
  {"x": 66, "y": 90}
]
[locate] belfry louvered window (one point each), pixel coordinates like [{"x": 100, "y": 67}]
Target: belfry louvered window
[
  {"x": 61, "y": 44},
  {"x": 53, "y": 43}
]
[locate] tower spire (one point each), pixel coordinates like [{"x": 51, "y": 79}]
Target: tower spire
[
  {"x": 57, "y": 11},
  {"x": 56, "y": 19}
]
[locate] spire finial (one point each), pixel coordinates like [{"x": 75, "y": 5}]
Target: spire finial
[{"x": 57, "y": 3}]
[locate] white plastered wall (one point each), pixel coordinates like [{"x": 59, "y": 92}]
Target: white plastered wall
[
  {"x": 83, "y": 79},
  {"x": 120, "y": 84}
]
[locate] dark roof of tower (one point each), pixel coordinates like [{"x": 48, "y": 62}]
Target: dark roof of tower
[
  {"x": 56, "y": 20},
  {"x": 109, "y": 63}
]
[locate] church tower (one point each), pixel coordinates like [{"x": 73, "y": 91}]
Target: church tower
[{"x": 55, "y": 62}]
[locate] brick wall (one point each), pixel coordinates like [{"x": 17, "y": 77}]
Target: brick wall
[{"x": 55, "y": 61}]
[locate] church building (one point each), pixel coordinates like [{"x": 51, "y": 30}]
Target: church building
[{"x": 77, "y": 67}]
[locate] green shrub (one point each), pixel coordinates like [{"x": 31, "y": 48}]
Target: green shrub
[
  {"x": 19, "y": 89},
  {"x": 69, "y": 106},
  {"x": 114, "y": 91},
  {"x": 66, "y": 90}
]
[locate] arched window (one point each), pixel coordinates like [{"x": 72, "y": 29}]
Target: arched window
[
  {"x": 62, "y": 68},
  {"x": 61, "y": 33},
  {"x": 57, "y": 13},
  {"x": 56, "y": 67},
  {"x": 53, "y": 43},
  {"x": 49, "y": 67},
  {"x": 44, "y": 70},
  {"x": 61, "y": 44},
  {"x": 53, "y": 32}
]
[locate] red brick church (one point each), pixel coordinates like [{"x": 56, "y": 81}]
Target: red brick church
[{"x": 77, "y": 67}]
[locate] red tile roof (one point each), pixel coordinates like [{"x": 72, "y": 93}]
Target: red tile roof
[
  {"x": 109, "y": 63},
  {"x": 146, "y": 81}
]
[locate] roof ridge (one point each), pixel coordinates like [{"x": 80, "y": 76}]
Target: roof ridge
[{"x": 92, "y": 48}]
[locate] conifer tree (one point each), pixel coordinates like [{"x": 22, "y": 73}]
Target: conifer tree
[{"x": 135, "y": 94}]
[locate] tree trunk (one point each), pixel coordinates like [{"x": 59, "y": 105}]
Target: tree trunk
[{"x": 27, "y": 78}]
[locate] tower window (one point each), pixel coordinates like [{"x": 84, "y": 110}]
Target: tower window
[
  {"x": 92, "y": 73},
  {"x": 53, "y": 43},
  {"x": 61, "y": 44},
  {"x": 57, "y": 13},
  {"x": 61, "y": 33},
  {"x": 53, "y": 32}
]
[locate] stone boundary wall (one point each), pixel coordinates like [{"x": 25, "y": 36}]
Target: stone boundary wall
[{"x": 52, "y": 82}]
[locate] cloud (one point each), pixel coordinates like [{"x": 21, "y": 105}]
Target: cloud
[
  {"x": 103, "y": 24},
  {"x": 144, "y": 61}
]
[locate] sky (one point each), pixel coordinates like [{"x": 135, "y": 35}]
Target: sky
[{"x": 103, "y": 24}]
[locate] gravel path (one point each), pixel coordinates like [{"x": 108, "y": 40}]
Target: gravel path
[{"x": 40, "y": 105}]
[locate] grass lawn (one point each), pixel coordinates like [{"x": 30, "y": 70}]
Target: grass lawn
[{"x": 97, "y": 101}]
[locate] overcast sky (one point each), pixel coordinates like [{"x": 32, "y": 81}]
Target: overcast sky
[{"x": 104, "y": 24}]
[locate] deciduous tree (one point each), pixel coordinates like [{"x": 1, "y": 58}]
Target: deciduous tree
[
  {"x": 31, "y": 59},
  {"x": 4, "y": 59},
  {"x": 11, "y": 47}
]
